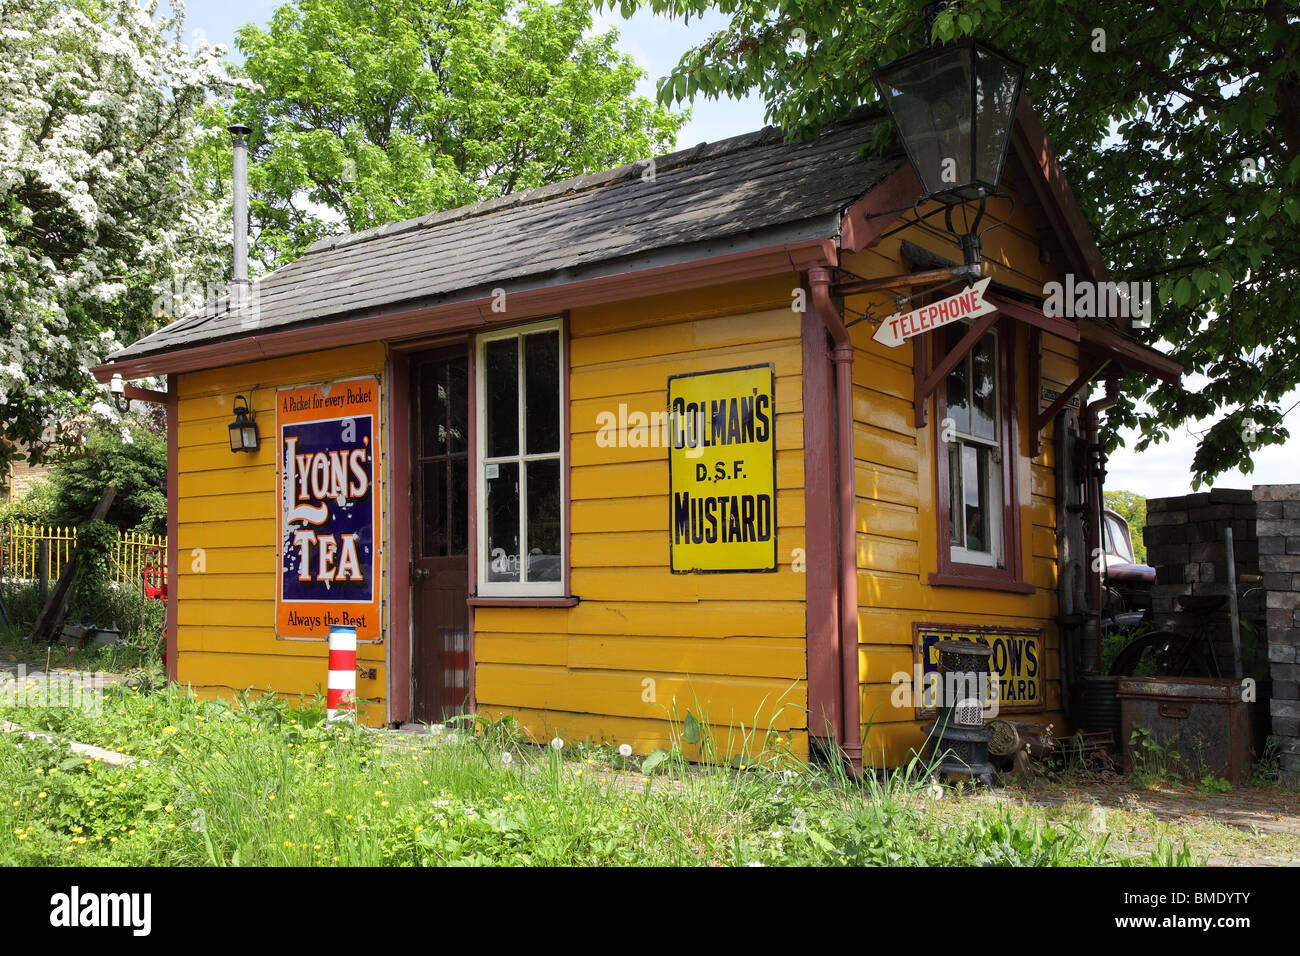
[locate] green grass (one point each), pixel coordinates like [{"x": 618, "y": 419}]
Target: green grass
[{"x": 258, "y": 783}]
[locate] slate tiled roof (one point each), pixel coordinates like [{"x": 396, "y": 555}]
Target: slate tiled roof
[{"x": 745, "y": 192}]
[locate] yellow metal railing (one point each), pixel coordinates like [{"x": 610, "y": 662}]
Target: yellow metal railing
[{"x": 23, "y": 555}]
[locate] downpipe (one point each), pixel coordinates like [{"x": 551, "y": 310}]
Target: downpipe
[
  {"x": 819, "y": 282},
  {"x": 1096, "y": 482}
]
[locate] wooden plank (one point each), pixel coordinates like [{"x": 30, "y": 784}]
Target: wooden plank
[
  {"x": 887, "y": 412},
  {"x": 584, "y": 414},
  {"x": 308, "y": 367},
  {"x": 772, "y": 657},
  {"x": 650, "y": 374},
  {"x": 887, "y": 519},
  {"x": 711, "y": 619},
  {"x": 883, "y": 483},
  {"x": 648, "y": 311},
  {"x": 877, "y": 446},
  {"x": 671, "y": 341},
  {"x": 226, "y": 587},
  {"x": 728, "y": 701},
  {"x": 653, "y": 584},
  {"x": 225, "y": 534},
  {"x": 888, "y": 554}
]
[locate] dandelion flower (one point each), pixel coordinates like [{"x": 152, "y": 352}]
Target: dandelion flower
[
  {"x": 625, "y": 750},
  {"x": 506, "y": 759},
  {"x": 557, "y": 743}
]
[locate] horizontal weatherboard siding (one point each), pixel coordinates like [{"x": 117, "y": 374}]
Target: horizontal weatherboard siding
[{"x": 226, "y": 538}]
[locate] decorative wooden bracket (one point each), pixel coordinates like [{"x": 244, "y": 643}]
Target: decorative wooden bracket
[
  {"x": 137, "y": 394},
  {"x": 926, "y": 387},
  {"x": 1088, "y": 370}
]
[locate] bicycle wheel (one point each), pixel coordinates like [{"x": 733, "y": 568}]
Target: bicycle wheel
[
  {"x": 1142, "y": 650},
  {"x": 1163, "y": 654}
]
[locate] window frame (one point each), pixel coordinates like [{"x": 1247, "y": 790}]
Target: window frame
[
  {"x": 952, "y": 570},
  {"x": 487, "y": 592}
]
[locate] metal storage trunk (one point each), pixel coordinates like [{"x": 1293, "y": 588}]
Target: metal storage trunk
[{"x": 1202, "y": 719}]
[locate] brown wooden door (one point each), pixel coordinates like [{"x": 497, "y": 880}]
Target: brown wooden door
[{"x": 440, "y": 536}]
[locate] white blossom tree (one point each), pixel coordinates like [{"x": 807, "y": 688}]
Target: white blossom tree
[{"x": 101, "y": 216}]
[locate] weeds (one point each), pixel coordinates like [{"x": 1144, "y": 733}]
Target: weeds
[
  {"x": 258, "y": 781},
  {"x": 1154, "y": 763}
]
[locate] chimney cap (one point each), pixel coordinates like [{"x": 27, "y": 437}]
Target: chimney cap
[{"x": 238, "y": 129}]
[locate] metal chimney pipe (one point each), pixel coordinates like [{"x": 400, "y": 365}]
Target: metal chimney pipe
[{"x": 239, "y": 275}]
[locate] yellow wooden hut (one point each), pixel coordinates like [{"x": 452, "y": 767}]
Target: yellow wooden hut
[{"x": 610, "y": 451}]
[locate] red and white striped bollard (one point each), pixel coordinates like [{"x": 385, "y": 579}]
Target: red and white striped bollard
[{"x": 341, "y": 685}]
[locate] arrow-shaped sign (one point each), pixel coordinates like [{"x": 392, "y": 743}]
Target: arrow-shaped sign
[{"x": 970, "y": 304}]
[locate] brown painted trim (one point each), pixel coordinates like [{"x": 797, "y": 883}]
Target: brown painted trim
[
  {"x": 954, "y": 574},
  {"x": 1035, "y": 390},
  {"x": 173, "y": 524},
  {"x": 1036, "y": 317},
  {"x": 941, "y": 579},
  {"x": 1132, "y": 354},
  {"x": 920, "y": 362},
  {"x": 950, "y": 360},
  {"x": 906, "y": 280},
  {"x": 571, "y": 601},
  {"x": 471, "y": 437},
  {"x": 868, "y": 218},
  {"x": 410, "y": 346},
  {"x": 1089, "y": 367},
  {"x": 525, "y": 306},
  {"x": 566, "y": 414},
  {"x": 819, "y": 280},
  {"x": 821, "y": 587},
  {"x": 137, "y": 394},
  {"x": 399, "y": 537}
]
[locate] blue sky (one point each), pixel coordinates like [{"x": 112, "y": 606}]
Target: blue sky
[{"x": 656, "y": 44}]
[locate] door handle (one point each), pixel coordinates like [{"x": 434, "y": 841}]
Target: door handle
[{"x": 419, "y": 574}]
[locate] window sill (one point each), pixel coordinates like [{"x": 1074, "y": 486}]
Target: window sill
[
  {"x": 981, "y": 582},
  {"x": 523, "y": 601}
]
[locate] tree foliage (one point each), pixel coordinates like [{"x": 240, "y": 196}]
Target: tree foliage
[
  {"x": 373, "y": 111},
  {"x": 1178, "y": 125},
  {"x": 137, "y": 468},
  {"x": 98, "y": 209}
]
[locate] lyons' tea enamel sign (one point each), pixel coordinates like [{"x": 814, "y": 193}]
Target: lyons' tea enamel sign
[
  {"x": 329, "y": 509},
  {"x": 723, "y": 469}
]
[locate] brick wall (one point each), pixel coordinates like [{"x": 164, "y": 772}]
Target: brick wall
[
  {"x": 1184, "y": 540},
  {"x": 1278, "y": 529}
]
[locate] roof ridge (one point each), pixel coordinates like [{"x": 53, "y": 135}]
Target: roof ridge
[{"x": 577, "y": 184}]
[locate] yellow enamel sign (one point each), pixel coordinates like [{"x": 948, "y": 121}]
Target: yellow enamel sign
[
  {"x": 722, "y": 509},
  {"x": 1017, "y": 659}
]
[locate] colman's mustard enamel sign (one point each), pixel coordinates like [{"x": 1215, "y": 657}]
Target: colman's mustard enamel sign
[{"x": 722, "y": 512}]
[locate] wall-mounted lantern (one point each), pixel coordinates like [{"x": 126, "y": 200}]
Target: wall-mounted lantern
[
  {"x": 243, "y": 430},
  {"x": 954, "y": 107}
]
